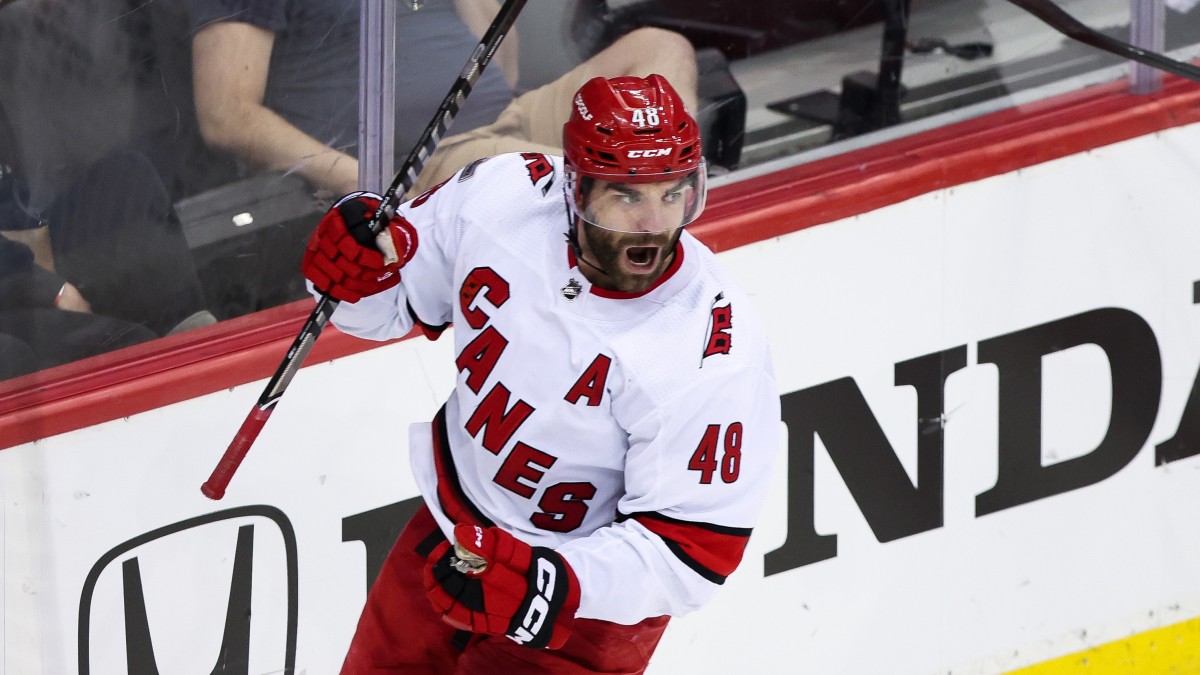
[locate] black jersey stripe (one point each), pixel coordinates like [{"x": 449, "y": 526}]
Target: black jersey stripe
[{"x": 450, "y": 494}]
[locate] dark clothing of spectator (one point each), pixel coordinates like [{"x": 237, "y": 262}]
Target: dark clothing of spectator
[
  {"x": 54, "y": 337},
  {"x": 16, "y": 357},
  {"x": 34, "y": 335},
  {"x": 82, "y": 79},
  {"x": 115, "y": 238}
]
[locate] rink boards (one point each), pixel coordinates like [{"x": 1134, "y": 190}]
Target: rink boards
[{"x": 987, "y": 359}]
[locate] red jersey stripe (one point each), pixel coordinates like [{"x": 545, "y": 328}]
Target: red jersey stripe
[{"x": 713, "y": 551}]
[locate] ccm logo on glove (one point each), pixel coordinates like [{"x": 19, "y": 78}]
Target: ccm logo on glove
[
  {"x": 537, "y": 606},
  {"x": 342, "y": 258},
  {"x": 526, "y": 594}
]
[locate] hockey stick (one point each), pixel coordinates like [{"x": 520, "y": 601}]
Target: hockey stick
[
  {"x": 214, "y": 487},
  {"x": 1059, "y": 20}
]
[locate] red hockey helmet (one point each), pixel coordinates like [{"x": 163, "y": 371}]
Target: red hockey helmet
[{"x": 632, "y": 130}]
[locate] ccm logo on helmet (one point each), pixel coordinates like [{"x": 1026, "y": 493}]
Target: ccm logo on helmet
[{"x": 657, "y": 152}]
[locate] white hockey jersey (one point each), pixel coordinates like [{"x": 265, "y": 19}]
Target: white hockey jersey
[{"x": 632, "y": 433}]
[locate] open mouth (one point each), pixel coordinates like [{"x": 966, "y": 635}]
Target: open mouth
[{"x": 641, "y": 258}]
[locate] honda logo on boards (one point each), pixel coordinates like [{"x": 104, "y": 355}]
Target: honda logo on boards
[
  {"x": 237, "y": 611},
  {"x": 895, "y": 506}
]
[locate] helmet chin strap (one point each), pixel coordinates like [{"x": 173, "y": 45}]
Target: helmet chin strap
[{"x": 573, "y": 240}]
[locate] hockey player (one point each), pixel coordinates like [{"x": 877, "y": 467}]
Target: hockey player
[{"x": 606, "y": 450}]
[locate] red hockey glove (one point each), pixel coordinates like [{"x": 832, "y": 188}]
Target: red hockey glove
[
  {"x": 500, "y": 585},
  {"x": 342, "y": 259}
]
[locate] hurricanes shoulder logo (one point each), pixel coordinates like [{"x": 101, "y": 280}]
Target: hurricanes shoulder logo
[
  {"x": 719, "y": 339},
  {"x": 541, "y": 170}
]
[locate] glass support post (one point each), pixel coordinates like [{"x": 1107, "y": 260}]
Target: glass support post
[
  {"x": 376, "y": 95},
  {"x": 1147, "y": 30}
]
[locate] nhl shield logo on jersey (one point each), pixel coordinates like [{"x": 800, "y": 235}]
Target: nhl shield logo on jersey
[
  {"x": 719, "y": 339},
  {"x": 571, "y": 290}
]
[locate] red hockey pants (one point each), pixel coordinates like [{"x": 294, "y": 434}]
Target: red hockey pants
[{"x": 399, "y": 632}]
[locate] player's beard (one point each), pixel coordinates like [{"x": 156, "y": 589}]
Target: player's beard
[{"x": 616, "y": 254}]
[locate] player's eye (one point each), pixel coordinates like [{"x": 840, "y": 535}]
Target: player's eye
[{"x": 673, "y": 196}]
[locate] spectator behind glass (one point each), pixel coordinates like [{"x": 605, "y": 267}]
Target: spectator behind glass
[
  {"x": 276, "y": 84},
  {"x": 108, "y": 267}
]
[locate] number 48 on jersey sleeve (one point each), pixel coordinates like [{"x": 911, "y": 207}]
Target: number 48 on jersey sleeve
[{"x": 717, "y": 448}]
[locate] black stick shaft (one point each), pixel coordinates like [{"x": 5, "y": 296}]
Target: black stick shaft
[
  {"x": 1059, "y": 20},
  {"x": 215, "y": 486}
]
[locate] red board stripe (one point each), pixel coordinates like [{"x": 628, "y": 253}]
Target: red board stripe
[
  {"x": 173, "y": 369},
  {"x": 846, "y": 185}
]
